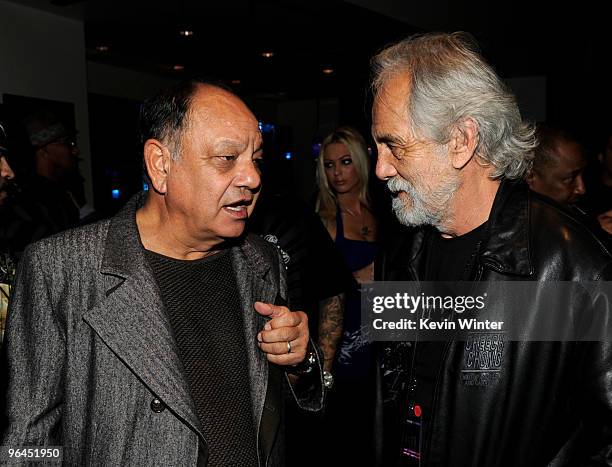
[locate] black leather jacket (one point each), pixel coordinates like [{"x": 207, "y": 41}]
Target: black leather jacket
[{"x": 553, "y": 402}]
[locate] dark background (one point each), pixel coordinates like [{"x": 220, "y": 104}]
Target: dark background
[{"x": 564, "y": 48}]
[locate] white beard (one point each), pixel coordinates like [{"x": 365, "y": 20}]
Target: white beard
[{"x": 427, "y": 206}]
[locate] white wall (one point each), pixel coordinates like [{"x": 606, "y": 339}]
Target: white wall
[{"x": 43, "y": 55}]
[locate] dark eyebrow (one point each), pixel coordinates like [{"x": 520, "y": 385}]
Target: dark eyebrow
[{"x": 259, "y": 149}]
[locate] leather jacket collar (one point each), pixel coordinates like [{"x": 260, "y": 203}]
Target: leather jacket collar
[{"x": 508, "y": 225}]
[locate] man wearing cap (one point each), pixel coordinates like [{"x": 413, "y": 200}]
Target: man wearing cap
[
  {"x": 56, "y": 167},
  {"x": 159, "y": 337}
]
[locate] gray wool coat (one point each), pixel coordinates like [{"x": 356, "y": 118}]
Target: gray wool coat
[{"x": 88, "y": 348}]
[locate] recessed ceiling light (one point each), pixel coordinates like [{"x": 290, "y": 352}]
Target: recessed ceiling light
[
  {"x": 178, "y": 67},
  {"x": 186, "y": 33},
  {"x": 327, "y": 71},
  {"x": 267, "y": 54},
  {"x": 102, "y": 48}
]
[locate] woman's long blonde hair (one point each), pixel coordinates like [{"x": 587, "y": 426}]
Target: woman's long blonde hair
[{"x": 326, "y": 200}]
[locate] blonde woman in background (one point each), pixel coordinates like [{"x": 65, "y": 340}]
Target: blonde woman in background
[
  {"x": 344, "y": 202},
  {"x": 345, "y": 208}
]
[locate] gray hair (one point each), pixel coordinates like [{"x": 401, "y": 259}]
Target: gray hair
[
  {"x": 165, "y": 116},
  {"x": 451, "y": 82}
]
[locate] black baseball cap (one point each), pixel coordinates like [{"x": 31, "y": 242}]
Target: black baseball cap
[{"x": 44, "y": 128}]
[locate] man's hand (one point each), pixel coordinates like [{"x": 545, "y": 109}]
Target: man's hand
[{"x": 284, "y": 326}]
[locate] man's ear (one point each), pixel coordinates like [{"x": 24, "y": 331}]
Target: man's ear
[
  {"x": 463, "y": 142},
  {"x": 157, "y": 162}
]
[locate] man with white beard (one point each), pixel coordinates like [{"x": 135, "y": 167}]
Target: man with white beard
[{"x": 453, "y": 149}]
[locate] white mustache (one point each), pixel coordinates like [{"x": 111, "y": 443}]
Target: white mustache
[
  {"x": 397, "y": 184},
  {"x": 426, "y": 207}
]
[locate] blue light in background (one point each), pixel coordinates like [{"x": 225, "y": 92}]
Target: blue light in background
[
  {"x": 115, "y": 193},
  {"x": 288, "y": 155},
  {"x": 266, "y": 127},
  {"x": 145, "y": 186}
]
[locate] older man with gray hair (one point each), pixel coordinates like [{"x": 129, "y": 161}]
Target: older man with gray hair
[
  {"x": 453, "y": 149},
  {"x": 160, "y": 336}
]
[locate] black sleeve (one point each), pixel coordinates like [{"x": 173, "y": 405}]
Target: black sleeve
[{"x": 325, "y": 273}]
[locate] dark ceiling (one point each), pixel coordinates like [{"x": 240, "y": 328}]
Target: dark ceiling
[
  {"x": 229, "y": 39},
  {"x": 570, "y": 44}
]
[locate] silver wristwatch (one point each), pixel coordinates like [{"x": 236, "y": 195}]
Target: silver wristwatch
[
  {"x": 305, "y": 367},
  {"x": 328, "y": 380}
]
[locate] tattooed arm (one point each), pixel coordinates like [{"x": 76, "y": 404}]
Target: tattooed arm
[{"x": 331, "y": 312}]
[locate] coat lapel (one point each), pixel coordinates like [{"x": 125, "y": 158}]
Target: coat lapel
[
  {"x": 255, "y": 284},
  {"x": 132, "y": 321},
  {"x": 251, "y": 276}
]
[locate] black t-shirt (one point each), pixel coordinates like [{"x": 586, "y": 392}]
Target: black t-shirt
[
  {"x": 448, "y": 260},
  {"x": 203, "y": 306},
  {"x": 452, "y": 259}
]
